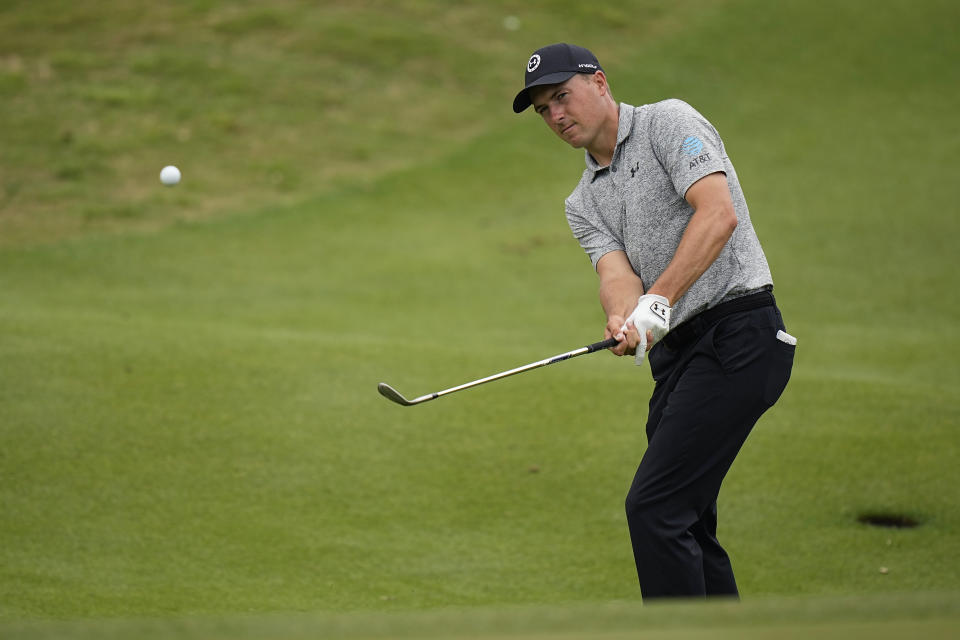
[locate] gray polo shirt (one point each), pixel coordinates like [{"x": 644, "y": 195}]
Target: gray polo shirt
[{"x": 637, "y": 204}]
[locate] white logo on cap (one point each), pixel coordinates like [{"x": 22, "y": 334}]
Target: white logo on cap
[{"x": 533, "y": 63}]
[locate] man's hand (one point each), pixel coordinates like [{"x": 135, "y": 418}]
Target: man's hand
[
  {"x": 628, "y": 340},
  {"x": 650, "y": 321}
]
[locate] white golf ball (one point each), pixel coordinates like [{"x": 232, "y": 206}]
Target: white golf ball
[{"x": 170, "y": 175}]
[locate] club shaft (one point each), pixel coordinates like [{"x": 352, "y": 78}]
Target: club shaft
[{"x": 596, "y": 346}]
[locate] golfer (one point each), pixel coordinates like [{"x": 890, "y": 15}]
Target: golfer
[{"x": 660, "y": 213}]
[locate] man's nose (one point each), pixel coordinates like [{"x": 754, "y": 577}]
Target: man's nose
[{"x": 556, "y": 114}]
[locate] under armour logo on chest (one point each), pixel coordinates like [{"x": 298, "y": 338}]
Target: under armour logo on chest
[{"x": 634, "y": 169}]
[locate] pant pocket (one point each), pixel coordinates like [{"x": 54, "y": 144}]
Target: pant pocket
[
  {"x": 778, "y": 374},
  {"x": 738, "y": 343}
]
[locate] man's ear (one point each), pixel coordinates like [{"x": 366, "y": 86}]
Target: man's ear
[{"x": 600, "y": 79}]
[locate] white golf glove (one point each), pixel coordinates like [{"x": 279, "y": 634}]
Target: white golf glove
[{"x": 652, "y": 314}]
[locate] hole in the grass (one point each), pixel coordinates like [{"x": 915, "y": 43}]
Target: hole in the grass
[{"x": 891, "y": 520}]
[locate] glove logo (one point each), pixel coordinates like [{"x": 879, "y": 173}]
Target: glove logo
[
  {"x": 692, "y": 146},
  {"x": 659, "y": 310},
  {"x": 533, "y": 63}
]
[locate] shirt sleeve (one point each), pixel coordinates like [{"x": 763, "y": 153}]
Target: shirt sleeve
[
  {"x": 686, "y": 144},
  {"x": 596, "y": 240}
]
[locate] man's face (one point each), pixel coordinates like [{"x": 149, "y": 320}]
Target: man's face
[{"x": 573, "y": 109}]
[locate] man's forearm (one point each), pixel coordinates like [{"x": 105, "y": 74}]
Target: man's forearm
[
  {"x": 618, "y": 295},
  {"x": 713, "y": 222}
]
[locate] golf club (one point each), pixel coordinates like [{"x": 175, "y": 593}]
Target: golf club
[{"x": 392, "y": 394}]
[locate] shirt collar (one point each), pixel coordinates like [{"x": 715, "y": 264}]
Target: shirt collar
[{"x": 624, "y": 127}]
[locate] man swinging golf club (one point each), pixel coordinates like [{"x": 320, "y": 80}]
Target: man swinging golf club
[{"x": 660, "y": 213}]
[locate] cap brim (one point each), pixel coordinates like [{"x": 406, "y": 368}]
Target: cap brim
[{"x": 522, "y": 101}]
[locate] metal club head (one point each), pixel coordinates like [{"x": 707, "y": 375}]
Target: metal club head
[{"x": 390, "y": 393}]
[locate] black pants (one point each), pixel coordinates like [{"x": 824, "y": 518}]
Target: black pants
[{"x": 714, "y": 379}]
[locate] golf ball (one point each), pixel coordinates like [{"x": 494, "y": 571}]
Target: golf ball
[{"x": 170, "y": 175}]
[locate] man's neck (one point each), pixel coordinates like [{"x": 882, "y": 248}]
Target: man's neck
[{"x": 606, "y": 143}]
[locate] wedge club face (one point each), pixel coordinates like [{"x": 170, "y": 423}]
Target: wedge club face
[{"x": 390, "y": 393}]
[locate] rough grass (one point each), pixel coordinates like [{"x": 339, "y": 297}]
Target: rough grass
[{"x": 258, "y": 105}]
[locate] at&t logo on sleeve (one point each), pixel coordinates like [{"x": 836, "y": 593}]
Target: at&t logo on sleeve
[{"x": 693, "y": 147}]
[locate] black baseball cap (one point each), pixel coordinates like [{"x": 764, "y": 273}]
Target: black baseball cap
[{"x": 553, "y": 64}]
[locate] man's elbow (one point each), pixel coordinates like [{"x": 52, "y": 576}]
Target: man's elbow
[
  {"x": 724, "y": 221},
  {"x": 730, "y": 220}
]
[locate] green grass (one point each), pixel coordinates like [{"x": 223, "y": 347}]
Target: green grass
[
  {"x": 191, "y": 435},
  {"x": 927, "y": 615}
]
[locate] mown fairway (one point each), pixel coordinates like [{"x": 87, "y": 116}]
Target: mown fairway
[{"x": 189, "y": 421}]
